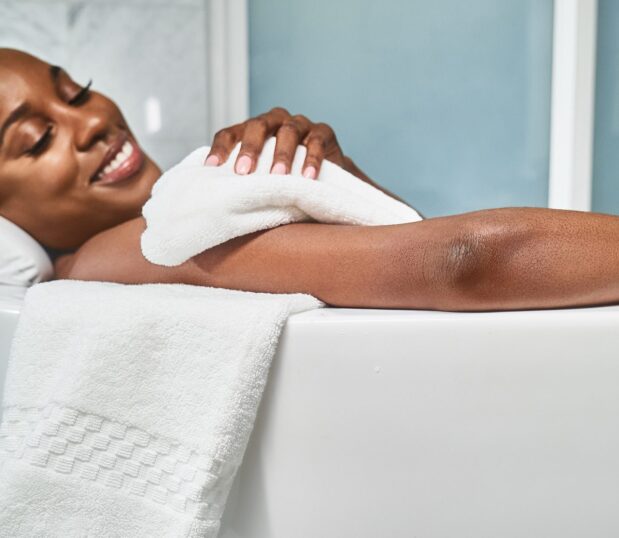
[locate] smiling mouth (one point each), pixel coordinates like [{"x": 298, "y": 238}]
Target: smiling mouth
[{"x": 122, "y": 161}]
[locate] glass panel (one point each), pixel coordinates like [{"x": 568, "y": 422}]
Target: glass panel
[
  {"x": 447, "y": 103},
  {"x": 606, "y": 141}
]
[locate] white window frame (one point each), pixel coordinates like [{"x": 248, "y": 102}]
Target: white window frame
[
  {"x": 573, "y": 104},
  {"x": 228, "y": 63}
]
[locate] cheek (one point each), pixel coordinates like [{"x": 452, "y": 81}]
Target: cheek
[
  {"x": 48, "y": 177},
  {"x": 55, "y": 173}
]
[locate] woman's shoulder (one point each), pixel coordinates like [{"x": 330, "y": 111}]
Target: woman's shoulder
[{"x": 98, "y": 257}]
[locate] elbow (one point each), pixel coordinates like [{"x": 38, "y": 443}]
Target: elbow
[
  {"x": 476, "y": 264},
  {"x": 462, "y": 271}
]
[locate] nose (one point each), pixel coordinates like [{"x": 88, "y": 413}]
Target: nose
[{"x": 91, "y": 125}]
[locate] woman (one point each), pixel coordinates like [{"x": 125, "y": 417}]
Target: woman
[{"x": 73, "y": 176}]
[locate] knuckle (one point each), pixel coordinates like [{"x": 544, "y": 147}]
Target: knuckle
[
  {"x": 301, "y": 119},
  {"x": 326, "y": 129},
  {"x": 282, "y": 155},
  {"x": 258, "y": 125},
  {"x": 248, "y": 148},
  {"x": 290, "y": 126},
  {"x": 279, "y": 110},
  {"x": 223, "y": 136},
  {"x": 316, "y": 141}
]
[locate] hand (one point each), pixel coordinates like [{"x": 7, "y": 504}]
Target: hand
[{"x": 290, "y": 132}]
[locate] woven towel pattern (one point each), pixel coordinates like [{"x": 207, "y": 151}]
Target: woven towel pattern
[{"x": 67, "y": 441}]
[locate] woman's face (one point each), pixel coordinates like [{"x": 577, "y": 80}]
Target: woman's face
[{"x": 69, "y": 165}]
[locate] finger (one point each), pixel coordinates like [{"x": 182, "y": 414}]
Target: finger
[
  {"x": 288, "y": 138},
  {"x": 254, "y": 136},
  {"x": 255, "y": 133},
  {"x": 277, "y": 115},
  {"x": 317, "y": 141},
  {"x": 223, "y": 143}
]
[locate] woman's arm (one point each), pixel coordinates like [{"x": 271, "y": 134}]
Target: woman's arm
[{"x": 499, "y": 259}]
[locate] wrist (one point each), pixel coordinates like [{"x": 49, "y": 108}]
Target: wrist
[{"x": 350, "y": 166}]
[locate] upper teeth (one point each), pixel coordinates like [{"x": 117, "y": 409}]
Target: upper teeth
[{"x": 123, "y": 154}]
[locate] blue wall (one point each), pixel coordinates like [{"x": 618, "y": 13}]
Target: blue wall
[
  {"x": 606, "y": 148},
  {"x": 446, "y": 103}
]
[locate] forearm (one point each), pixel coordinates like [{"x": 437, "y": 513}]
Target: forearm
[
  {"x": 372, "y": 267},
  {"x": 488, "y": 260},
  {"x": 341, "y": 265}
]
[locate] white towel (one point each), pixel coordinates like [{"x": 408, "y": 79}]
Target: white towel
[
  {"x": 127, "y": 408},
  {"x": 194, "y": 207}
]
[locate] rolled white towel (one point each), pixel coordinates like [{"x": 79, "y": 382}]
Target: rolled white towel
[{"x": 195, "y": 207}]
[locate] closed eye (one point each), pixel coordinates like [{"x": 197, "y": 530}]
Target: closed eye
[
  {"x": 69, "y": 91},
  {"x": 81, "y": 96},
  {"x": 42, "y": 143}
]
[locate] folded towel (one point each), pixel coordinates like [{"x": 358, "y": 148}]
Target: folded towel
[
  {"x": 195, "y": 207},
  {"x": 127, "y": 408}
]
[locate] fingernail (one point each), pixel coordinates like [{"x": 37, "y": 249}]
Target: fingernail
[
  {"x": 279, "y": 169},
  {"x": 243, "y": 165},
  {"x": 309, "y": 172},
  {"x": 212, "y": 160}
]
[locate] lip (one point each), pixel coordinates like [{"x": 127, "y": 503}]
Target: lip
[{"x": 126, "y": 170}]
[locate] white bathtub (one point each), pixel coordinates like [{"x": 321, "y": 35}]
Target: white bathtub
[
  {"x": 10, "y": 305},
  {"x": 400, "y": 424}
]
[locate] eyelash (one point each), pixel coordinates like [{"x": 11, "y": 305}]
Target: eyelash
[
  {"x": 82, "y": 95},
  {"x": 41, "y": 143}
]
